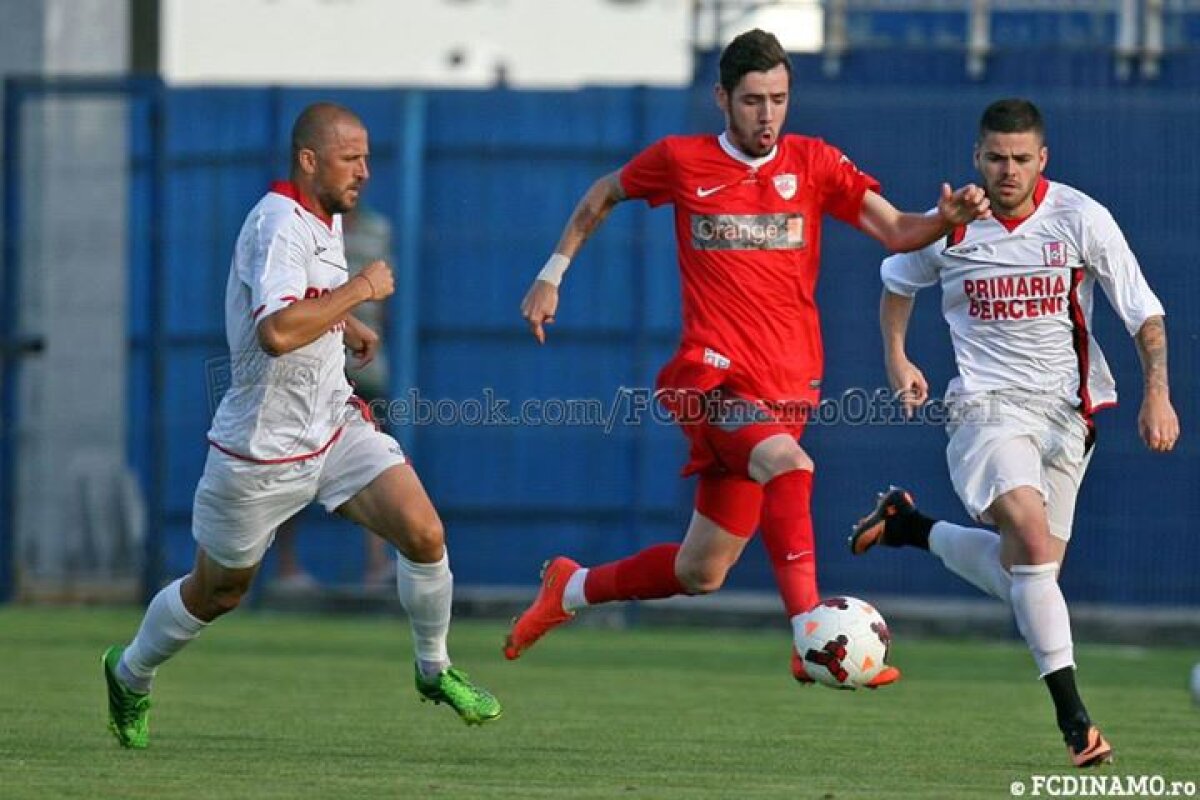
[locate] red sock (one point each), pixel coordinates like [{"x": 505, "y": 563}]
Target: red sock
[
  {"x": 787, "y": 532},
  {"x": 646, "y": 575}
]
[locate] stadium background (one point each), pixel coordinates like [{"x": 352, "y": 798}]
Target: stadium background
[{"x": 478, "y": 183}]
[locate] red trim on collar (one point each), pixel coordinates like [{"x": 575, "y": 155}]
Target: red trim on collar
[
  {"x": 291, "y": 190},
  {"x": 1039, "y": 194}
]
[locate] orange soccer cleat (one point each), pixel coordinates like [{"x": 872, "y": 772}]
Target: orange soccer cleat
[
  {"x": 546, "y": 612},
  {"x": 1088, "y": 748},
  {"x": 798, "y": 670},
  {"x": 886, "y": 676}
]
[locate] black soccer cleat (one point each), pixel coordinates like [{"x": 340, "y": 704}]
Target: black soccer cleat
[
  {"x": 872, "y": 529},
  {"x": 1086, "y": 747}
]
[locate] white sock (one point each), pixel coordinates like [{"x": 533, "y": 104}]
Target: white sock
[
  {"x": 166, "y": 628},
  {"x": 1041, "y": 612},
  {"x": 972, "y": 554},
  {"x": 426, "y": 592},
  {"x": 573, "y": 594}
]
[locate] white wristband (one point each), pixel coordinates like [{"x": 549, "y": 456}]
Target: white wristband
[{"x": 556, "y": 267}]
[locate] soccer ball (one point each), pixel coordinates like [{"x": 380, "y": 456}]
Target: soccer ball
[{"x": 843, "y": 642}]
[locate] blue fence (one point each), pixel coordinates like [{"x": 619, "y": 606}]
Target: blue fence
[{"x": 479, "y": 184}]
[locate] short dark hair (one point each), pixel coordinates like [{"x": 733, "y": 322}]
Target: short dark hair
[
  {"x": 1012, "y": 115},
  {"x": 315, "y": 122},
  {"x": 752, "y": 51}
]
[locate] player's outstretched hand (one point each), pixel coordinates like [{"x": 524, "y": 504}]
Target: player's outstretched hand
[
  {"x": 963, "y": 205},
  {"x": 908, "y": 383},
  {"x": 538, "y": 307},
  {"x": 1157, "y": 423},
  {"x": 379, "y": 275}
]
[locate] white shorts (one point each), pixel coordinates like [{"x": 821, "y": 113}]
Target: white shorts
[
  {"x": 239, "y": 504},
  {"x": 1002, "y": 440}
]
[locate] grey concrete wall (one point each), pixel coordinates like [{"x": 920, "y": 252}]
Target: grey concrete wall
[{"x": 72, "y": 515}]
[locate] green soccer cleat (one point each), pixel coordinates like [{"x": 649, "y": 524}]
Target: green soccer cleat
[
  {"x": 128, "y": 711},
  {"x": 451, "y": 686}
]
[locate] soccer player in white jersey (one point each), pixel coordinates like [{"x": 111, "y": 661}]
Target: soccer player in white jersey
[
  {"x": 1017, "y": 293},
  {"x": 288, "y": 431}
]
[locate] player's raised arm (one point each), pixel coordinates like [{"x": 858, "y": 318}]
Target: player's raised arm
[
  {"x": 541, "y": 301},
  {"x": 901, "y": 231},
  {"x": 304, "y": 321}
]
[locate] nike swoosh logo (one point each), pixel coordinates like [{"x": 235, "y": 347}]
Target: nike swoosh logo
[
  {"x": 702, "y": 192},
  {"x": 795, "y": 556}
]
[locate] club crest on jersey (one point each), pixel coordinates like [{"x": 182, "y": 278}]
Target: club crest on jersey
[
  {"x": 786, "y": 185},
  {"x": 1054, "y": 254}
]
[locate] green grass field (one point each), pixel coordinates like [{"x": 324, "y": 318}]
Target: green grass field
[{"x": 283, "y": 706}]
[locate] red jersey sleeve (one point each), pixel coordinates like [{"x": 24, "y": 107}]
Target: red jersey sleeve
[
  {"x": 648, "y": 174},
  {"x": 842, "y": 183}
]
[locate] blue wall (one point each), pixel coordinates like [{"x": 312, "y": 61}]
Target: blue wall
[{"x": 500, "y": 171}]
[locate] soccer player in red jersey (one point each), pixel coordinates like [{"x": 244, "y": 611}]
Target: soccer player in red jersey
[{"x": 748, "y": 209}]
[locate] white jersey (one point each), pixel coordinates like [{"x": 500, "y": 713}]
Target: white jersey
[
  {"x": 293, "y": 406},
  {"x": 1019, "y": 303}
]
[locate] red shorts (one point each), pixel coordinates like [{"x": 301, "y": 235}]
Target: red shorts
[
  {"x": 720, "y": 455},
  {"x": 723, "y": 428}
]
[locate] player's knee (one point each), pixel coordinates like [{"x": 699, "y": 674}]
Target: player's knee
[
  {"x": 211, "y": 590},
  {"x": 1039, "y": 551},
  {"x": 227, "y": 599},
  {"x": 793, "y": 461},
  {"x": 217, "y": 602},
  {"x": 424, "y": 541},
  {"x": 777, "y": 458},
  {"x": 700, "y": 577},
  {"x": 1030, "y": 544}
]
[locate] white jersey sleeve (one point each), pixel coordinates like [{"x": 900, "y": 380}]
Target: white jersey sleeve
[
  {"x": 908, "y": 273},
  {"x": 276, "y": 272},
  {"x": 1109, "y": 257}
]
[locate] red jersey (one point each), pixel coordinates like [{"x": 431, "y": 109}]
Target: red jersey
[{"x": 748, "y": 237}]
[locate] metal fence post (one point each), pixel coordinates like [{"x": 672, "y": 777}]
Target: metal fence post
[
  {"x": 9, "y": 331},
  {"x": 152, "y": 555},
  {"x": 979, "y": 38},
  {"x": 1152, "y": 39},
  {"x": 404, "y": 321}
]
